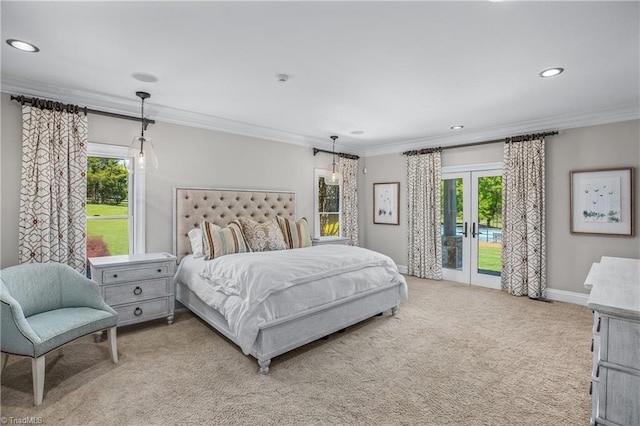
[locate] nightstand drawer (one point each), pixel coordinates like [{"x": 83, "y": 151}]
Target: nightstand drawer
[
  {"x": 112, "y": 276},
  {"x": 142, "y": 290},
  {"x": 143, "y": 311}
]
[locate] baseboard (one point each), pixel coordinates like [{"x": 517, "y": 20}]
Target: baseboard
[
  {"x": 552, "y": 294},
  {"x": 567, "y": 296}
]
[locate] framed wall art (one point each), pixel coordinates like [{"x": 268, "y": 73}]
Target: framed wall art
[
  {"x": 386, "y": 203},
  {"x": 602, "y": 201}
]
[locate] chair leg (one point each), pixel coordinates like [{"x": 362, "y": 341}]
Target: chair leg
[
  {"x": 113, "y": 344},
  {"x": 3, "y": 361},
  {"x": 37, "y": 370}
]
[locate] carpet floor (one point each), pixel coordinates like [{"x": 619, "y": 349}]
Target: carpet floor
[{"x": 456, "y": 355}]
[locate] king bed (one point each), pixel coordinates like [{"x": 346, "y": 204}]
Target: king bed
[{"x": 270, "y": 302}]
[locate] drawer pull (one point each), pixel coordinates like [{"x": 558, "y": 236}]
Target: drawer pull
[
  {"x": 137, "y": 312},
  {"x": 591, "y": 345},
  {"x": 598, "y": 371},
  {"x": 137, "y": 291},
  {"x": 159, "y": 270},
  {"x": 598, "y": 329},
  {"x": 591, "y": 388},
  {"x": 115, "y": 275}
]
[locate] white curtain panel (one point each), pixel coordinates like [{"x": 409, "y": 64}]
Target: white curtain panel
[
  {"x": 523, "y": 232},
  {"x": 54, "y": 187},
  {"x": 349, "y": 168},
  {"x": 424, "y": 173}
]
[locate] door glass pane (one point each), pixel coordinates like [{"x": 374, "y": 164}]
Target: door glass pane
[
  {"x": 490, "y": 225},
  {"x": 451, "y": 223}
]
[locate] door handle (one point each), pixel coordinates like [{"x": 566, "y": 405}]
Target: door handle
[
  {"x": 466, "y": 230},
  {"x": 473, "y": 230}
]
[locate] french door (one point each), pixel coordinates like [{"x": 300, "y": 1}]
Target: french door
[{"x": 471, "y": 218}]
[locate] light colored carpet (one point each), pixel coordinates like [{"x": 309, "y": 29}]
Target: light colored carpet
[{"x": 457, "y": 355}]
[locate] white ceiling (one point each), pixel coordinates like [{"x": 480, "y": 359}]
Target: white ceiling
[{"x": 402, "y": 72}]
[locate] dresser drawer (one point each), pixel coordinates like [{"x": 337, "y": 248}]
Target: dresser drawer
[
  {"x": 623, "y": 343},
  {"x": 142, "y": 311},
  {"x": 122, "y": 275},
  {"x": 133, "y": 292},
  {"x": 622, "y": 400}
]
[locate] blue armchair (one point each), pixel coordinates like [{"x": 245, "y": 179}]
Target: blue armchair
[{"x": 44, "y": 306}]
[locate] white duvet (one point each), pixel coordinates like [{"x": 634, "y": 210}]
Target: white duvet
[{"x": 251, "y": 289}]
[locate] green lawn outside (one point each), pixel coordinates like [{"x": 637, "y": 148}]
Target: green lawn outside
[
  {"x": 490, "y": 258},
  {"x": 106, "y": 210},
  {"x": 115, "y": 232}
]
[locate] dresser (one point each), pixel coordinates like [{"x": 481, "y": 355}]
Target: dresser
[
  {"x": 615, "y": 375},
  {"x": 139, "y": 287}
]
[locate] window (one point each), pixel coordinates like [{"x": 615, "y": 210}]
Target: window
[
  {"x": 107, "y": 206},
  {"x": 327, "y": 206},
  {"x": 114, "y": 203}
]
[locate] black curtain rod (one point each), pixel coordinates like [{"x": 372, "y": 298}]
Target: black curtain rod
[
  {"x": 47, "y": 104},
  {"x": 339, "y": 154},
  {"x": 519, "y": 138}
]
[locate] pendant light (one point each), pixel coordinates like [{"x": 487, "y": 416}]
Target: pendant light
[
  {"x": 141, "y": 149},
  {"x": 334, "y": 178}
]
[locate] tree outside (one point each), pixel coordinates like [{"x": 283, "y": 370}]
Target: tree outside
[{"x": 107, "y": 181}]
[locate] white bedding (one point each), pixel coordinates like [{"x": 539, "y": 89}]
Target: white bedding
[{"x": 251, "y": 289}]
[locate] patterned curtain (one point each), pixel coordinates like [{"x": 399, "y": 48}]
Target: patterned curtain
[
  {"x": 349, "y": 168},
  {"x": 523, "y": 233},
  {"x": 424, "y": 172},
  {"x": 54, "y": 186}
]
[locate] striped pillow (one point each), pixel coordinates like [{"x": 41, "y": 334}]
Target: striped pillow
[
  {"x": 296, "y": 234},
  {"x": 217, "y": 241}
]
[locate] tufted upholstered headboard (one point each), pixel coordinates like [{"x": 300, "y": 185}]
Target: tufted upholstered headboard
[{"x": 221, "y": 206}]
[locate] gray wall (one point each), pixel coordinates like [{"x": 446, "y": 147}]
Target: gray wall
[
  {"x": 195, "y": 157},
  {"x": 188, "y": 157},
  {"x": 569, "y": 257}
]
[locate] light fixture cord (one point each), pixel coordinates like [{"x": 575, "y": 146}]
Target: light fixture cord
[
  {"x": 142, "y": 128},
  {"x": 333, "y": 150}
]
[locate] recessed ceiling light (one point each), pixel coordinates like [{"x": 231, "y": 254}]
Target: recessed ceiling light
[
  {"x": 457, "y": 127},
  {"x": 551, "y": 72},
  {"x": 282, "y": 78},
  {"x": 145, "y": 77},
  {"x": 357, "y": 132},
  {"x": 22, "y": 45}
]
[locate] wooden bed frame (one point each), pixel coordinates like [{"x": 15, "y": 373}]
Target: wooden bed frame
[{"x": 220, "y": 206}]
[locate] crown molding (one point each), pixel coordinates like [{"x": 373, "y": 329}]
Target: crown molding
[
  {"x": 130, "y": 106},
  {"x": 559, "y": 123}
]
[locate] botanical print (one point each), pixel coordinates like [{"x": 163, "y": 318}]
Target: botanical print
[
  {"x": 385, "y": 203},
  {"x": 601, "y": 200}
]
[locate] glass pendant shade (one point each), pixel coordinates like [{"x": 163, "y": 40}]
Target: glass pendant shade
[
  {"x": 141, "y": 151},
  {"x": 334, "y": 177},
  {"x": 143, "y": 156}
]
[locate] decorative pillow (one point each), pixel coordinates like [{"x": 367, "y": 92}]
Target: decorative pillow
[
  {"x": 296, "y": 234},
  {"x": 195, "y": 237},
  {"x": 262, "y": 236},
  {"x": 217, "y": 241}
]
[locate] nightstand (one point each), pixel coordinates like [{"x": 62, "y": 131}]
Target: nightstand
[
  {"x": 329, "y": 240},
  {"x": 138, "y": 286}
]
